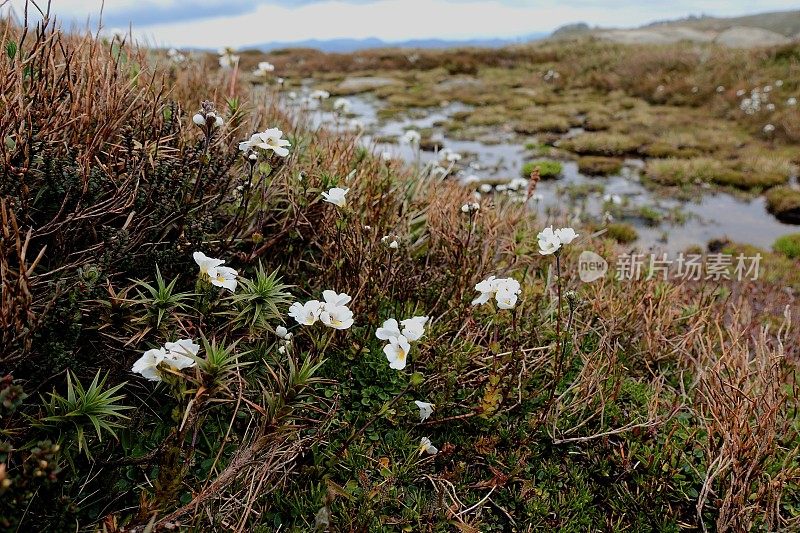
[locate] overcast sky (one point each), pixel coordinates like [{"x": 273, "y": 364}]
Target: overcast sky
[{"x": 239, "y": 23}]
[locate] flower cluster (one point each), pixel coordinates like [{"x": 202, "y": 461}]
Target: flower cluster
[
  {"x": 175, "y": 56},
  {"x": 399, "y": 340},
  {"x": 342, "y": 105},
  {"x": 207, "y": 118},
  {"x": 551, "y": 241},
  {"x": 412, "y": 137},
  {"x": 271, "y": 139},
  {"x": 505, "y": 291},
  {"x": 173, "y": 355},
  {"x": 212, "y": 270},
  {"x": 333, "y": 312},
  {"x": 263, "y": 69},
  {"x": 227, "y": 58}
]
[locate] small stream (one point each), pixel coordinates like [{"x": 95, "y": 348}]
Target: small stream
[{"x": 715, "y": 215}]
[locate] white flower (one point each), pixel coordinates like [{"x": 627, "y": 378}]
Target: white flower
[
  {"x": 336, "y": 196},
  {"x": 283, "y": 333},
  {"x": 199, "y": 119},
  {"x": 778, "y": 83},
  {"x": 224, "y": 277},
  {"x": 767, "y": 88},
  {"x": 227, "y": 58},
  {"x": 390, "y": 329},
  {"x": 264, "y": 67},
  {"x": 612, "y": 198},
  {"x": 425, "y": 446},
  {"x": 468, "y": 208},
  {"x": 206, "y": 263},
  {"x": 386, "y": 156},
  {"x": 147, "y": 364},
  {"x": 566, "y": 235},
  {"x": 281, "y": 350},
  {"x": 720, "y": 88},
  {"x": 271, "y": 139},
  {"x": 180, "y": 354},
  {"x": 218, "y": 122},
  {"x": 449, "y": 155},
  {"x": 740, "y": 92},
  {"x": 769, "y": 128},
  {"x": 342, "y": 105},
  {"x": 319, "y": 95},
  {"x": 791, "y": 101},
  {"x": 770, "y": 107},
  {"x": 306, "y": 314},
  {"x": 394, "y": 245},
  {"x": 425, "y": 410},
  {"x": 549, "y": 243},
  {"x": 335, "y": 313},
  {"x": 486, "y": 188},
  {"x": 504, "y": 290},
  {"x": 411, "y": 137},
  {"x": 397, "y": 352},
  {"x": 413, "y": 328}
]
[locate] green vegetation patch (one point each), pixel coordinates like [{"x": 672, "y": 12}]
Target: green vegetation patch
[{"x": 547, "y": 169}]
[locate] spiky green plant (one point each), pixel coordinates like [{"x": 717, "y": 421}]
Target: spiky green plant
[
  {"x": 221, "y": 361},
  {"x": 258, "y": 300},
  {"x": 161, "y": 299},
  {"x": 82, "y": 408}
]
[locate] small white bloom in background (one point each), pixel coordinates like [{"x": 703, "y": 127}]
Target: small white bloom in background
[
  {"x": 767, "y": 88},
  {"x": 720, "y": 88},
  {"x": 486, "y": 188},
  {"x": 769, "y": 128},
  {"x": 612, "y": 198},
  {"x": 386, "y": 156},
  {"x": 740, "y": 92},
  {"x": 281, "y": 350},
  {"x": 335, "y": 313},
  {"x": 695, "y": 89},
  {"x": 389, "y": 329},
  {"x": 414, "y": 327},
  {"x": 425, "y": 446},
  {"x": 283, "y": 333},
  {"x": 394, "y": 245},
  {"x": 770, "y": 107},
  {"x": 425, "y": 410},
  {"x": 778, "y": 83},
  {"x": 306, "y": 314},
  {"x": 319, "y": 94},
  {"x": 549, "y": 243},
  {"x": 206, "y": 263},
  {"x": 501, "y": 187},
  {"x": 551, "y": 75},
  {"x": 342, "y": 105},
  {"x": 227, "y": 58},
  {"x": 449, "y": 155},
  {"x": 469, "y": 208},
  {"x": 292, "y": 95},
  {"x": 791, "y": 101},
  {"x": 199, "y": 119},
  {"x": 412, "y": 137},
  {"x": 566, "y": 235},
  {"x": 224, "y": 277},
  {"x": 469, "y": 180},
  {"x": 397, "y": 352},
  {"x": 336, "y": 196},
  {"x": 264, "y": 68},
  {"x": 271, "y": 139},
  {"x": 147, "y": 364},
  {"x": 367, "y": 228}
]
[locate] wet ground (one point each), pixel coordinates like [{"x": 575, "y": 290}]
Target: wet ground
[{"x": 499, "y": 157}]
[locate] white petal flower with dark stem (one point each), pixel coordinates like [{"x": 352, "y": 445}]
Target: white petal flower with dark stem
[
  {"x": 505, "y": 291},
  {"x": 425, "y": 446},
  {"x": 388, "y": 330},
  {"x": 336, "y": 196},
  {"x": 414, "y": 328},
  {"x": 206, "y": 263},
  {"x": 397, "y": 352},
  {"x": 425, "y": 410},
  {"x": 336, "y": 316},
  {"x": 271, "y": 139},
  {"x": 549, "y": 242},
  {"x": 306, "y": 314},
  {"x": 147, "y": 364},
  {"x": 566, "y": 235},
  {"x": 224, "y": 277}
]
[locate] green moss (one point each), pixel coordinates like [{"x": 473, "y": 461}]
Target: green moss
[
  {"x": 602, "y": 143},
  {"x": 784, "y": 203},
  {"x": 622, "y": 233},
  {"x": 598, "y": 165},
  {"x": 542, "y": 124},
  {"x": 788, "y": 245},
  {"x": 749, "y": 174},
  {"x": 547, "y": 169}
]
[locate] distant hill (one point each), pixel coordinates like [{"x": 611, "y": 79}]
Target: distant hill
[
  {"x": 351, "y": 45},
  {"x": 786, "y": 23}
]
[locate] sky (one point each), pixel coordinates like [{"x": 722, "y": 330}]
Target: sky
[{"x": 241, "y": 23}]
